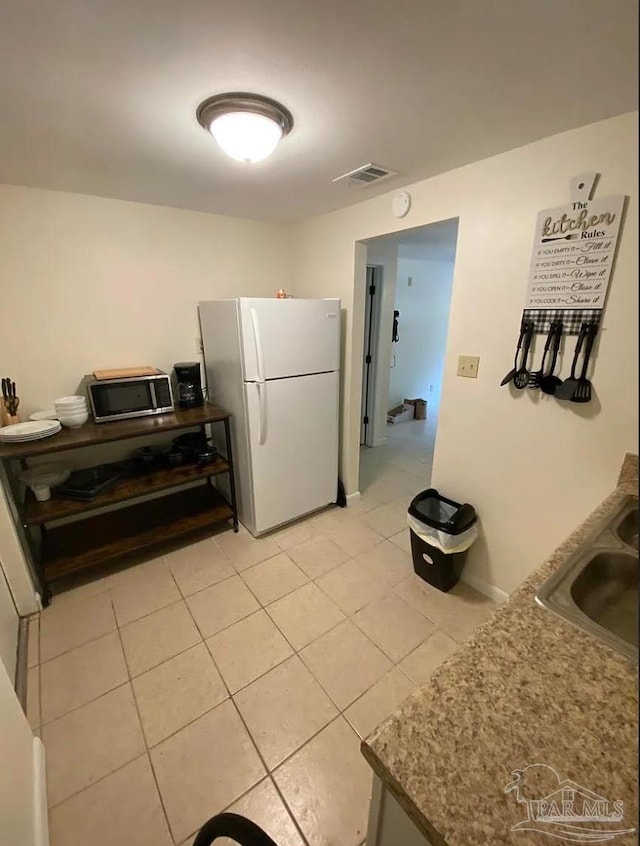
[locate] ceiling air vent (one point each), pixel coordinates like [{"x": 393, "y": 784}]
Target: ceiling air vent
[{"x": 366, "y": 175}]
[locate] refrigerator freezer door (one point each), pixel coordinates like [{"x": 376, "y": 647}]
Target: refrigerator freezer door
[
  {"x": 293, "y": 434},
  {"x": 282, "y": 338}
]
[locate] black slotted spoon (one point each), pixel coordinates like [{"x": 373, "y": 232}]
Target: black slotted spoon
[
  {"x": 536, "y": 375},
  {"x": 521, "y": 378},
  {"x": 582, "y": 392},
  {"x": 550, "y": 383},
  {"x": 566, "y": 389}
]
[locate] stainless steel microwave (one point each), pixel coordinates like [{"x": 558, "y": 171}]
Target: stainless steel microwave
[{"x": 135, "y": 396}]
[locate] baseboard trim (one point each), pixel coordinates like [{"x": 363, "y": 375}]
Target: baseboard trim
[
  {"x": 41, "y": 820},
  {"x": 485, "y": 588},
  {"x": 354, "y": 497}
]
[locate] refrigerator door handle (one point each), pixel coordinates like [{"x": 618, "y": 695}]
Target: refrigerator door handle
[
  {"x": 262, "y": 417},
  {"x": 258, "y": 342}
]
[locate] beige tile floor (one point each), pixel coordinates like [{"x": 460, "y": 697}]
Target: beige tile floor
[{"x": 240, "y": 674}]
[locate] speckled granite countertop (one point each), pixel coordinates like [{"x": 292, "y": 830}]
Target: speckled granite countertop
[{"x": 527, "y": 688}]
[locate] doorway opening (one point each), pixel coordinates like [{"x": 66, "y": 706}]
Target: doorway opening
[{"x": 409, "y": 281}]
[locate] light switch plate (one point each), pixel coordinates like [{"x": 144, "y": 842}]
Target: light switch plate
[{"x": 468, "y": 366}]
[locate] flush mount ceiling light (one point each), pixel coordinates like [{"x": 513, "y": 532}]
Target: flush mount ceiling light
[{"x": 248, "y": 127}]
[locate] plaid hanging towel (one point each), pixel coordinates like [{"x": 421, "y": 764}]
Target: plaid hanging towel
[{"x": 571, "y": 318}]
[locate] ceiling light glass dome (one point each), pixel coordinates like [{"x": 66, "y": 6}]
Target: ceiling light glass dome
[{"x": 248, "y": 127}]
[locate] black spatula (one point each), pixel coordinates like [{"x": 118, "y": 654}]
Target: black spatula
[
  {"x": 550, "y": 383},
  {"x": 567, "y": 388},
  {"x": 582, "y": 392},
  {"x": 512, "y": 372}
]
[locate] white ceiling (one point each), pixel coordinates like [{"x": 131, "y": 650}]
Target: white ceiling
[{"x": 99, "y": 96}]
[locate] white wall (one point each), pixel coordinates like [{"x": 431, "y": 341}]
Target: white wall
[
  {"x": 91, "y": 282},
  {"x": 384, "y": 255},
  {"x": 533, "y": 467},
  {"x": 424, "y": 319}
]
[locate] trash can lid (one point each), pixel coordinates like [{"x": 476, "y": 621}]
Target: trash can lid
[{"x": 434, "y": 510}]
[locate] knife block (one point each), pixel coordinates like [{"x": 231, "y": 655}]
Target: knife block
[{"x": 8, "y": 419}]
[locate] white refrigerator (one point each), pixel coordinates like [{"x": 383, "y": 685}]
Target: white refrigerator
[{"x": 274, "y": 364}]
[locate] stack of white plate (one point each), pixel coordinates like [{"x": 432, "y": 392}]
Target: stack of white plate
[
  {"x": 72, "y": 411},
  {"x": 33, "y": 431}
]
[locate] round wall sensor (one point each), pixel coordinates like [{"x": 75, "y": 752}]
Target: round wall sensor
[{"x": 401, "y": 203}]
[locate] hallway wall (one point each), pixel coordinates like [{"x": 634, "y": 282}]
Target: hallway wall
[
  {"x": 489, "y": 440},
  {"x": 424, "y": 320}
]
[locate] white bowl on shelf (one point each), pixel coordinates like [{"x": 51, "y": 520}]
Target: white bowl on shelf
[
  {"x": 43, "y": 477},
  {"x": 74, "y": 421},
  {"x": 66, "y": 411},
  {"x": 70, "y": 409},
  {"x": 41, "y": 492},
  {"x": 70, "y": 400},
  {"x": 70, "y": 412},
  {"x": 78, "y": 406}
]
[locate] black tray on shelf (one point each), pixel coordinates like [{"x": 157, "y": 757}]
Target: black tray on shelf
[{"x": 88, "y": 483}]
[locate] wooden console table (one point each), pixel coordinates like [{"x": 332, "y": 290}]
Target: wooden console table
[{"x": 134, "y": 526}]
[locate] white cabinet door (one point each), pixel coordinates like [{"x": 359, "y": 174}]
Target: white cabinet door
[
  {"x": 293, "y": 337},
  {"x": 8, "y": 626},
  {"x": 21, "y": 811},
  {"x": 389, "y": 824},
  {"x": 293, "y": 433}
]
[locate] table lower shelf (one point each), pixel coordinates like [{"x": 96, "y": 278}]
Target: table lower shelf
[
  {"x": 95, "y": 540},
  {"x": 129, "y": 487}
]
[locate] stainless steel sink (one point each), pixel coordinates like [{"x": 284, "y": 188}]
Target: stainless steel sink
[
  {"x": 627, "y": 528},
  {"x": 596, "y": 589}
]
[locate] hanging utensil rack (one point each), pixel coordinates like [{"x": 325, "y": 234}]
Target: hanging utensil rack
[{"x": 572, "y": 261}]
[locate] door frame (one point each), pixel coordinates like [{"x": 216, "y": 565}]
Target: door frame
[
  {"x": 373, "y": 294},
  {"x": 363, "y": 256}
]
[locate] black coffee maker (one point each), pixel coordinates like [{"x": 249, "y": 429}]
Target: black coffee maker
[{"x": 188, "y": 384}]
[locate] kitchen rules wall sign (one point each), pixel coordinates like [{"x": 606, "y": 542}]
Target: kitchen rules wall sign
[{"x": 573, "y": 254}]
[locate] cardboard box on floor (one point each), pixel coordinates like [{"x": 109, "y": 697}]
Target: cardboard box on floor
[
  {"x": 420, "y": 407},
  {"x": 411, "y": 409},
  {"x": 401, "y": 413}
]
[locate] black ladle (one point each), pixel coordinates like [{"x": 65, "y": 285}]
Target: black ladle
[
  {"x": 508, "y": 378},
  {"x": 567, "y": 388},
  {"x": 550, "y": 383},
  {"x": 521, "y": 378}
]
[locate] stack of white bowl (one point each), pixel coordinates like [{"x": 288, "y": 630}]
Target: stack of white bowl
[{"x": 72, "y": 411}]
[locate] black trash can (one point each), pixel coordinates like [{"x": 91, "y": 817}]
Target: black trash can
[{"x": 446, "y": 523}]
